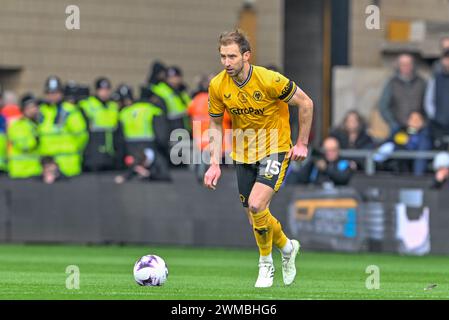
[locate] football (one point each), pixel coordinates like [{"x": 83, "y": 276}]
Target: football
[{"x": 150, "y": 270}]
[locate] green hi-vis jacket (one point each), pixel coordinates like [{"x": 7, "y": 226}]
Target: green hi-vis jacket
[
  {"x": 176, "y": 103},
  {"x": 102, "y": 121},
  {"x": 102, "y": 117},
  {"x": 23, "y": 153},
  {"x": 137, "y": 121},
  {"x": 3, "y": 146},
  {"x": 63, "y": 136}
]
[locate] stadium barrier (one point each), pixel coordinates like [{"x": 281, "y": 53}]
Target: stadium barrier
[
  {"x": 368, "y": 157},
  {"x": 93, "y": 209}
]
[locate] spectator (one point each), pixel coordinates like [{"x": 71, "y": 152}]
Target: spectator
[
  {"x": 101, "y": 113},
  {"x": 10, "y": 110},
  {"x": 23, "y": 154},
  {"x": 441, "y": 169},
  {"x": 351, "y": 134},
  {"x": 199, "y": 114},
  {"x": 142, "y": 127},
  {"x": 437, "y": 103},
  {"x": 403, "y": 93},
  {"x": 62, "y": 130},
  {"x": 328, "y": 168},
  {"x": 50, "y": 170},
  {"x": 414, "y": 137},
  {"x": 444, "y": 45},
  {"x": 203, "y": 84}
]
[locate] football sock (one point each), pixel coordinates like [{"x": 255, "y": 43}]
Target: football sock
[
  {"x": 263, "y": 231},
  {"x": 266, "y": 259},
  {"x": 287, "y": 249},
  {"x": 280, "y": 240}
]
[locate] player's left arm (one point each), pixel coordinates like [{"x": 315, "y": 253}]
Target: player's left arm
[{"x": 305, "y": 116}]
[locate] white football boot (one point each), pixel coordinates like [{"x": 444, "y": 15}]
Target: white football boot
[
  {"x": 288, "y": 264},
  {"x": 266, "y": 275}
]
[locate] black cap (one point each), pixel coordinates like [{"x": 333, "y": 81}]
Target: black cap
[
  {"x": 53, "y": 84},
  {"x": 124, "y": 92},
  {"x": 174, "y": 71},
  {"x": 156, "y": 69},
  {"x": 71, "y": 88},
  {"x": 26, "y": 99},
  {"x": 102, "y": 83}
]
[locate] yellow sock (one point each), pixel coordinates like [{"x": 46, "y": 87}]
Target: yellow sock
[
  {"x": 279, "y": 237},
  {"x": 263, "y": 231}
]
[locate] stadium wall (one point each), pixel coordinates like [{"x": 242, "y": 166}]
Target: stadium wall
[
  {"x": 366, "y": 44},
  {"x": 92, "y": 209},
  {"x": 120, "y": 39}
]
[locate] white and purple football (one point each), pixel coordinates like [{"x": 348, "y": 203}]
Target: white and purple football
[{"x": 150, "y": 270}]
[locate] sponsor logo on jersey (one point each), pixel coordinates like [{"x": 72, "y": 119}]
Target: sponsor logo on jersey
[{"x": 241, "y": 111}]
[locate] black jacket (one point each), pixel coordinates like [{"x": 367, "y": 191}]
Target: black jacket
[
  {"x": 339, "y": 172},
  {"x": 363, "y": 141}
]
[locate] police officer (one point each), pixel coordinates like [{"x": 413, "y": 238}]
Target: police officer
[
  {"x": 101, "y": 113},
  {"x": 71, "y": 92},
  {"x": 173, "y": 93},
  {"x": 3, "y": 143},
  {"x": 142, "y": 126},
  {"x": 168, "y": 85},
  {"x": 23, "y": 154},
  {"x": 62, "y": 129}
]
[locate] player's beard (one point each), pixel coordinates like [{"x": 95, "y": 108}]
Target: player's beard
[{"x": 236, "y": 73}]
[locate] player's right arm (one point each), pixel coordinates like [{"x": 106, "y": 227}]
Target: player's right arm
[
  {"x": 215, "y": 137},
  {"x": 216, "y": 111}
]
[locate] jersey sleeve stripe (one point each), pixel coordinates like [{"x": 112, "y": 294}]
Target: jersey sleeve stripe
[
  {"x": 286, "y": 91},
  {"x": 216, "y": 115},
  {"x": 291, "y": 93}
]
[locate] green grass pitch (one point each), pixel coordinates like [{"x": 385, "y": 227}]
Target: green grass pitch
[{"x": 38, "y": 272}]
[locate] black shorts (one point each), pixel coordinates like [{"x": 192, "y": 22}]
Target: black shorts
[{"x": 270, "y": 171}]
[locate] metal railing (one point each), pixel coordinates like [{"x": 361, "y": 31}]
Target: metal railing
[{"x": 368, "y": 157}]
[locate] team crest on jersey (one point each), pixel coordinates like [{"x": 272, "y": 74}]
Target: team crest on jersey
[
  {"x": 257, "y": 95},
  {"x": 242, "y": 97},
  {"x": 268, "y": 176}
]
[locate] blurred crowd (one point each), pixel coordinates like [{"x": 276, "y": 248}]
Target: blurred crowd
[
  {"x": 417, "y": 114},
  {"x": 71, "y": 130}
]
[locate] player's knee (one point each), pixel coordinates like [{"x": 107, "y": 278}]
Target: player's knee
[{"x": 255, "y": 206}]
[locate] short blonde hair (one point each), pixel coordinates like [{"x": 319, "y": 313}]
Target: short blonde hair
[{"x": 236, "y": 36}]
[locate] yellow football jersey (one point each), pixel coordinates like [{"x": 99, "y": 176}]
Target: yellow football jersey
[{"x": 258, "y": 109}]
